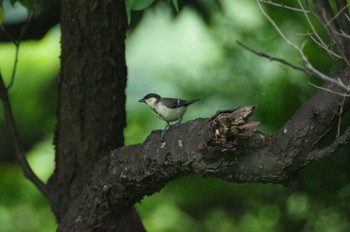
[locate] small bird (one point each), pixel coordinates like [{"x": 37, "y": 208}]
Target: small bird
[{"x": 167, "y": 109}]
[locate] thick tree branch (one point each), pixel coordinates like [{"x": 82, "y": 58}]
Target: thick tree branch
[{"x": 129, "y": 173}]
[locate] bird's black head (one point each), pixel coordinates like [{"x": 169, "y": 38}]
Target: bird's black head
[{"x": 150, "y": 95}]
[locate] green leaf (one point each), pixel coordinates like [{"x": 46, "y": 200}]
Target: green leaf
[
  {"x": 13, "y": 2},
  {"x": 29, "y": 4},
  {"x": 175, "y": 4},
  {"x": 138, "y": 4},
  {"x": 344, "y": 191},
  {"x": 128, "y": 5}
]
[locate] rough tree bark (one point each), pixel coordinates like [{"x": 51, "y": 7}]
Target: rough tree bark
[{"x": 91, "y": 107}]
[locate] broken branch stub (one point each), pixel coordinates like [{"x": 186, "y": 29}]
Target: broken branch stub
[{"x": 231, "y": 125}]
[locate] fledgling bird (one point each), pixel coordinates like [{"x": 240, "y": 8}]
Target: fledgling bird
[{"x": 167, "y": 109}]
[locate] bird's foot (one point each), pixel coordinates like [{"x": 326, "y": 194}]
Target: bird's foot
[
  {"x": 162, "y": 135},
  {"x": 177, "y": 123}
]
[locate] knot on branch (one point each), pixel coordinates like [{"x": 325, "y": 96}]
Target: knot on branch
[{"x": 229, "y": 126}]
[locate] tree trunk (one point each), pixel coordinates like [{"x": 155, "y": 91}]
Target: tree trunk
[{"x": 91, "y": 106}]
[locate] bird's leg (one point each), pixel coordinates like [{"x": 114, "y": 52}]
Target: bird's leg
[
  {"x": 164, "y": 131},
  {"x": 178, "y": 123}
]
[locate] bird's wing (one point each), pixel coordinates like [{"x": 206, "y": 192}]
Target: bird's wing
[{"x": 176, "y": 103}]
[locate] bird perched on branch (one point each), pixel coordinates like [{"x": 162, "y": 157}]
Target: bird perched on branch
[{"x": 167, "y": 109}]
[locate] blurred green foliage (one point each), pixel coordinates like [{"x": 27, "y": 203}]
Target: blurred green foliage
[
  {"x": 187, "y": 57},
  {"x": 22, "y": 207},
  {"x": 33, "y": 93}
]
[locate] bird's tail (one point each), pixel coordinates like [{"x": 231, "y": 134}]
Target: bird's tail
[{"x": 189, "y": 102}]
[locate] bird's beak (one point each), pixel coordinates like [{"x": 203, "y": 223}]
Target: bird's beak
[{"x": 141, "y": 100}]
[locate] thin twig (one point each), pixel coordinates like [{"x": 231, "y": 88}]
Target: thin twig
[
  {"x": 283, "y": 6},
  {"x": 337, "y": 15},
  {"x": 319, "y": 154},
  {"x": 272, "y": 58},
  {"x": 329, "y": 90},
  {"x": 276, "y": 27},
  {"x": 17, "y": 42},
  {"x": 343, "y": 34},
  {"x": 347, "y": 17},
  {"x": 318, "y": 40},
  {"x": 19, "y": 153},
  {"x": 325, "y": 10},
  {"x": 27, "y": 171},
  {"x": 312, "y": 26},
  {"x": 311, "y": 70},
  {"x": 330, "y": 52},
  {"x": 341, "y": 110}
]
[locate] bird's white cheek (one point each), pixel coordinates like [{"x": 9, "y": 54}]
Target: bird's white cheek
[{"x": 151, "y": 102}]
